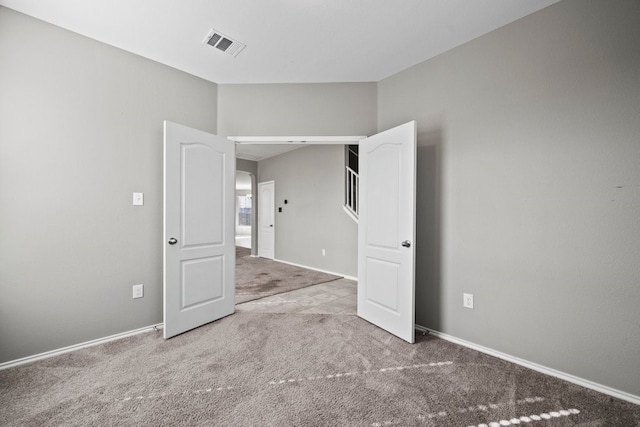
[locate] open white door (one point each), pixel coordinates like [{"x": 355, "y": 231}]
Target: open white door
[
  {"x": 199, "y": 240},
  {"x": 266, "y": 219},
  {"x": 386, "y": 230}
]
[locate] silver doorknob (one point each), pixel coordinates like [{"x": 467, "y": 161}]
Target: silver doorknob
[
  {"x": 173, "y": 241},
  {"x": 406, "y": 244}
]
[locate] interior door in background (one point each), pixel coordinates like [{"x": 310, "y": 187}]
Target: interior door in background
[
  {"x": 199, "y": 228},
  {"x": 386, "y": 230},
  {"x": 266, "y": 219}
]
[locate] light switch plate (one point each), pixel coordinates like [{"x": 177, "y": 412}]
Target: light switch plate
[
  {"x": 467, "y": 300},
  {"x": 138, "y": 199}
]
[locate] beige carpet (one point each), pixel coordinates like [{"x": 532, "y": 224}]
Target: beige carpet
[
  {"x": 259, "y": 369},
  {"x": 258, "y": 277}
]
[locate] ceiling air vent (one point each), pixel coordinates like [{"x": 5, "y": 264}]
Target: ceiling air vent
[{"x": 224, "y": 43}]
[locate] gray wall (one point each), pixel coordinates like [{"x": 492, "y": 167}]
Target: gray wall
[
  {"x": 311, "y": 179},
  {"x": 80, "y": 130},
  {"x": 247, "y": 166},
  {"x": 529, "y": 157},
  {"x": 343, "y": 109},
  {"x": 529, "y": 185},
  {"x": 297, "y": 109}
]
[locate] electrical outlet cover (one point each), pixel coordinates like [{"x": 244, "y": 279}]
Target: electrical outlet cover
[
  {"x": 138, "y": 291},
  {"x": 138, "y": 199}
]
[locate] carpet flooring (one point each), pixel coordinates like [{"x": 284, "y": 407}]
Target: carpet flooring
[
  {"x": 265, "y": 369},
  {"x": 258, "y": 277},
  {"x": 335, "y": 297}
]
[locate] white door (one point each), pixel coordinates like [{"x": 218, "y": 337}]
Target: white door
[
  {"x": 266, "y": 219},
  {"x": 386, "y": 230},
  {"x": 199, "y": 238}
]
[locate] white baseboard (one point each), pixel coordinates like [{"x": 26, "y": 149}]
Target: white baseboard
[
  {"x": 57, "y": 352},
  {"x": 536, "y": 367},
  {"x": 504, "y": 356},
  {"x": 317, "y": 269}
]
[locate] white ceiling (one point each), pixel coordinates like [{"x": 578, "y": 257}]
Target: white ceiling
[
  {"x": 261, "y": 152},
  {"x": 288, "y": 41},
  {"x": 258, "y": 148}
]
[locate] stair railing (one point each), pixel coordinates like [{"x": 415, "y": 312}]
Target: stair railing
[{"x": 351, "y": 190}]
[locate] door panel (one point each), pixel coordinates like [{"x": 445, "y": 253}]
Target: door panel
[
  {"x": 196, "y": 284},
  {"x": 383, "y": 203},
  {"x": 266, "y": 219},
  {"x": 199, "y": 249},
  {"x": 386, "y": 288},
  {"x": 386, "y": 272},
  {"x": 203, "y": 169}
]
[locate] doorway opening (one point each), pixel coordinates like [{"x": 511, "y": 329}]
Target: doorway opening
[
  {"x": 391, "y": 157},
  {"x": 389, "y": 163},
  {"x": 244, "y": 209}
]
